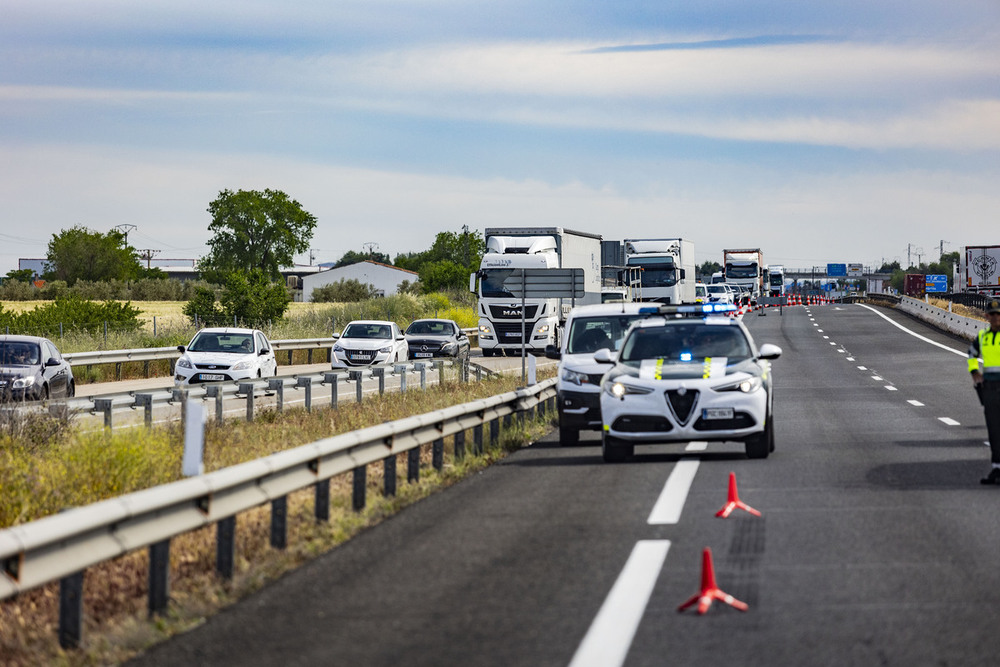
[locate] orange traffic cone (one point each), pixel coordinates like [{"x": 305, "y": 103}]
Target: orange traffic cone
[
  {"x": 709, "y": 590},
  {"x": 734, "y": 501}
]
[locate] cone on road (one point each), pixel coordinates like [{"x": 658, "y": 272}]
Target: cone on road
[
  {"x": 734, "y": 501},
  {"x": 709, "y": 590}
]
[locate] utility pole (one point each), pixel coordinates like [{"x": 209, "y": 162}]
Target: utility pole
[
  {"x": 147, "y": 254},
  {"x": 941, "y": 251},
  {"x": 125, "y": 229},
  {"x": 370, "y": 246}
]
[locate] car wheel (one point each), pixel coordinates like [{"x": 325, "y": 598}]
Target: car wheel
[
  {"x": 568, "y": 435},
  {"x": 759, "y": 445},
  {"x": 614, "y": 450},
  {"x": 71, "y": 390}
]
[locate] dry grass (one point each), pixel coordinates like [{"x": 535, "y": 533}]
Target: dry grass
[
  {"x": 116, "y": 626},
  {"x": 958, "y": 309}
]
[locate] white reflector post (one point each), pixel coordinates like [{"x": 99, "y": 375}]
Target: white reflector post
[
  {"x": 194, "y": 439},
  {"x": 532, "y": 370}
]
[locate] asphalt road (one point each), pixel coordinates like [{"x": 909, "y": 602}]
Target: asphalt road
[{"x": 876, "y": 545}]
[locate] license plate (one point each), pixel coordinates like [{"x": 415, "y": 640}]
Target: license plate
[
  {"x": 717, "y": 413},
  {"x": 359, "y": 357},
  {"x": 208, "y": 377},
  {"x": 513, "y": 334},
  {"x": 423, "y": 354}
]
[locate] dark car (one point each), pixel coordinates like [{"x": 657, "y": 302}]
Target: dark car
[
  {"x": 32, "y": 369},
  {"x": 436, "y": 338}
]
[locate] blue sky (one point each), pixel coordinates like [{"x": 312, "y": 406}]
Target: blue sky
[{"x": 820, "y": 132}]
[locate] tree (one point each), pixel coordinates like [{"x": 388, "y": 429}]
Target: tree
[
  {"x": 255, "y": 230},
  {"x": 249, "y": 298},
  {"x": 21, "y": 275},
  {"x": 707, "y": 269},
  {"x": 353, "y": 257},
  {"x": 344, "y": 290},
  {"x": 81, "y": 254},
  {"x": 448, "y": 262}
]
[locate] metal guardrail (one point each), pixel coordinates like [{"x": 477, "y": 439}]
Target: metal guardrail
[{"x": 62, "y": 546}]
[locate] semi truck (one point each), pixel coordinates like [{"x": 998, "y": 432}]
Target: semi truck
[
  {"x": 668, "y": 273},
  {"x": 775, "y": 279},
  {"x": 979, "y": 269},
  {"x": 914, "y": 284},
  {"x": 745, "y": 266},
  {"x": 511, "y": 248}
]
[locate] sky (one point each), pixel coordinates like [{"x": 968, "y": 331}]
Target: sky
[{"x": 844, "y": 131}]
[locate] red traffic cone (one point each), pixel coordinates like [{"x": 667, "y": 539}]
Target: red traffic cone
[
  {"x": 734, "y": 501},
  {"x": 709, "y": 590}
]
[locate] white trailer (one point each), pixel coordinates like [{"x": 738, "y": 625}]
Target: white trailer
[
  {"x": 979, "y": 269},
  {"x": 668, "y": 274},
  {"x": 511, "y": 248}
]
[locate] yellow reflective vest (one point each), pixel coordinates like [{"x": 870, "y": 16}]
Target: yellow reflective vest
[{"x": 986, "y": 346}]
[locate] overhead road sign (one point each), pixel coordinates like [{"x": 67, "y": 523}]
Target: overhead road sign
[
  {"x": 546, "y": 283},
  {"x": 854, "y": 270},
  {"x": 836, "y": 270},
  {"x": 936, "y": 284}
]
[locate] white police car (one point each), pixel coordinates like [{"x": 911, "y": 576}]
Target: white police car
[{"x": 689, "y": 373}]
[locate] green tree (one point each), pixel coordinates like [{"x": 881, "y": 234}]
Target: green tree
[
  {"x": 344, "y": 290},
  {"x": 255, "y": 230},
  {"x": 22, "y": 275},
  {"x": 81, "y": 254},
  {"x": 444, "y": 274},
  {"x": 706, "y": 269},
  {"x": 249, "y": 298},
  {"x": 448, "y": 262},
  {"x": 353, "y": 257}
]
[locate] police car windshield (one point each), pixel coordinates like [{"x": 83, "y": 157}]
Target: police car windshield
[
  {"x": 590, "y": 334},
  {"x": 687, "y": 342}
]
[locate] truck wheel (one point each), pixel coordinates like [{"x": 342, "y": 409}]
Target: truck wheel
[
  {"x": 512, "y": 353},
  {"x": 568, "y": 435},
  {"x": 487, "y": 351},
  {"x": 614, "y": 450}
]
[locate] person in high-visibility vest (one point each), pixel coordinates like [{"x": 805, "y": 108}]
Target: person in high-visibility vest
[{"x": 986, "y": 347}]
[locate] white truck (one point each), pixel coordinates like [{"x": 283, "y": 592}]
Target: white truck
[
  {"x": 511, "y": 248},
  {"x": 668, "y": 274},
  {"x": 775, "y": 279},
  {"x": 745, "y": 266},
  {"x": 979, "y": 269}
]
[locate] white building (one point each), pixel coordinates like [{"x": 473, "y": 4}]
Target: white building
[{"x": 382, "y": 277}]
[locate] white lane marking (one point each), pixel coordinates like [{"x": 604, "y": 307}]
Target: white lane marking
[
  {"x": 850, "y": 358},
  {"x": 841, "y": 351},
  {"x": 916, "y": 404},
  {"x": 607, "y": 642},
  {"x": 826, "y": 338},
  {"x": 831, "y": 342},
  {"x": 960, "y": 353},
  {"x": 671, "y": 501},
  {"x": 862, "y": 368},
  {"x": 696, "y": 446},
  {"x": 891, "y": 388},
  {"x": 876, "y": 378},
  {"x": 948, "y": 421}
]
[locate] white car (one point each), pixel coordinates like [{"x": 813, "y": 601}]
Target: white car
[
  {"x": 369, "y": 343},
  {"x": 692, "y": 375},
  {"x": 587, "y": 329},
  {"x": 720, "y": 293},
  {"x": 225, "y": 354}
]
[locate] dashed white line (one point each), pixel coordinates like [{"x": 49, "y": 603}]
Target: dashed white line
[
  {"x": 850, "y": 358},
  {"x": 667, "y": 509},
  {"x": 696, "y": 446},
  {"x": 876, "y": 378},
  {"x": 948, "y": 421},
  {"x": 610, "y": 635},
  {"x": 862, "y": 368},
  {"x": 891, "y": 388},
  {"x": 916, "y": 404}
]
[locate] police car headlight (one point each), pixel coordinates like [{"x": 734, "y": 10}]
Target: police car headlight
[
  {"x": 574, "y": 378},
  {"x": 24, "y": 382},
  {"x": 183, "y": 362},
  {"x": 620, "y": 389},
  {"x": 746, "y": 385}
]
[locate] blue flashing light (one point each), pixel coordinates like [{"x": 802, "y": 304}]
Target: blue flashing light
[
  {"x": 649, "y": 310},
  {"x": 685, "y": 356}
]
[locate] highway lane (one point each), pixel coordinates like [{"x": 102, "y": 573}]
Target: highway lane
[{"x": 876, "y": 543}]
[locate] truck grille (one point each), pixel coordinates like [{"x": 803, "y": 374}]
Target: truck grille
[
  {"x": 513, "y": 312},
  {"x": 510, "y": 333}
]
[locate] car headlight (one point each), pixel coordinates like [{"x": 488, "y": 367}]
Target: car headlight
[
  {"x": 24, "y": 382},
  {"x": 243, "y": 365},
  {"x": 574, "y": 378},
  {"x": 620, "y": 389},
  {"x": 184, "y": 363},
  {"x": 337, "y": 348},
  {"x": 385, "y": 350},
  {"x": 746, "y": 385},
  {"x": 449, "y": 348}
]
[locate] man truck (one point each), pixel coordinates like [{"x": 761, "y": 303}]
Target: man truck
[
  {"x": 668, "y": 274},
  {"x": 745, "y": 266},
  {"x": 511, "y": 248}
]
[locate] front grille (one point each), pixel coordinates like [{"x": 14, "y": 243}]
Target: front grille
[
  {"x": 360, "y": 356},
  {"x": 510, "y": 333},
  {"x": 512, "y": 312},
  {"x": 642, "y": 424},
  {"x": 424, "y": 346},
  {"x": 739, "y": 420},
  {"x": 682, "y": 403},
  {"x": 595, "y": 378},
  {"x": 212, "y": 367}
]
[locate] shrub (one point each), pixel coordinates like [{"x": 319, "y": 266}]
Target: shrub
[{"x": 345, "y": 291}]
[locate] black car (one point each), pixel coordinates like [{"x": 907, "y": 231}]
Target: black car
[
  {"x": 436, "y": 338},
  {"x": 32, "y": 369}
]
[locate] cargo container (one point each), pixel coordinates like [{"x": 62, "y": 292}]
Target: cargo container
[{"x": 979, "y": 269}]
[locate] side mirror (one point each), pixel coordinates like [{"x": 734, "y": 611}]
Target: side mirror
[
  {"x": 604, "y": 356},
  {"x": 400, "y": 337},
  {"x": 52, "y": 361},
  {"x": 263, "y": 352},
  {"x": 769, "y": 351},
  {"x": 180, "y": 348},
  {"x": 683, "y": 274},
  {"x": 336, "y": 336},
  {"x": 472, "y": 283},
  {"x": 552, "y": 352}
]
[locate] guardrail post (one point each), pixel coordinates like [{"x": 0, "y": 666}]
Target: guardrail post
[
  {"x": 180, "y": 395},
  {"x": 159, "y": 577},
  {"x": 477, "y": 439},
  {"x": 360, "y": 483},
  {"x": 279, "y": 522},
  {"x": 225, "y": 546},
  {"x": 494, "y": 432},
  {"x": 332, "y": 379},
  {"x": 307, "y": 385},
  {"x": 437, "y": 454},
  {"x": 118, "y": 371},
  {"x": 215, "y": 391},
  {"x": 71, "y": 610},
  {"x": 389, "y": 475},
  {"x": 322, "y": 509},
  {"x": 464, "y": 368},
  {"x": 104, "y": 405},
  {"x": 290, "y": 357},
  {"x": 356, "y": 376},
  {"x": 440, "y": 367},
  {"x": 247, "y": 388},
  {"x": 460, "y": 445},
  {"x": 277, "y": 385},
  {"x": 380, "y": 374},
  {"x": 413, "y": 465},
  {"x": 145, "y": 401},
  {"x": 401, "y": 369},
  {"x": 422, "y": 368},
  {"x": 479, "y": 373}
]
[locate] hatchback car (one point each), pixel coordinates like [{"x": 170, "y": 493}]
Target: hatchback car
[
  {"x": 689, "y": 374},
  {"x": 225, "y": 354},
  {"x": 368, "y": 343},
  {"x": 436, "y": 338},
  {"x": 31, "y": 368}
]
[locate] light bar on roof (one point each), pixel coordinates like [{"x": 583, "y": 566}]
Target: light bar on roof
[{"x": 699, "y": 309}]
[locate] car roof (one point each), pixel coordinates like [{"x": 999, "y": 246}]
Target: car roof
[
  {"x": 227, "y": 330},
  {"x": 434, "y": 319},
  {"x": 660, "y": 321},
  {"x": 22, "y": 339},
  {"x": 369, "y": 322}
]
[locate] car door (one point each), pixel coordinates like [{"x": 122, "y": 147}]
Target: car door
[
  {"x": 57, "y": 375},
  {"x": 268, "y": 363}
]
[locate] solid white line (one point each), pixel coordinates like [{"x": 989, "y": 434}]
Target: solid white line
[
  {"x": 916, "y": 404},
  {"x": 913, "y": 333},
  {"x": 610, "y": 635},
  {"x": 671, "y": 501},
  {"x": 949, "y": 421}
]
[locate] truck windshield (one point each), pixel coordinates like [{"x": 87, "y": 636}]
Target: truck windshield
[
  {"x": 656, "y": 271},
  {"x": 741, "y": 271},
  {"x": 491, "y": 283},
  {"x": 776, "y": 280}
]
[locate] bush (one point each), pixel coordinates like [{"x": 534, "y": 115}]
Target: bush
[
  {"x": 73, "y": 314},
  {"x": 344, "y": 291}
]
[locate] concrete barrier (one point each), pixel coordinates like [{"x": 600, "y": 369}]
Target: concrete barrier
[{"x": 966, "y": 327}]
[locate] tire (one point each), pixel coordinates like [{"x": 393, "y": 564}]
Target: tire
[
  {"x": 568, "y": 435},
  {"x": 614, "y": 450},
  {"x": 71, "y": 390},
  {"x": 487, "y": 351},
  {"x": 761, "y": 444},
  {"x": 512, "y": 353}
]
